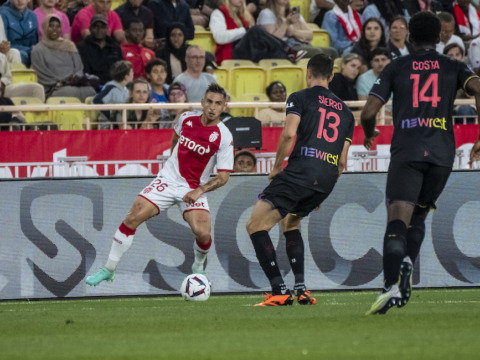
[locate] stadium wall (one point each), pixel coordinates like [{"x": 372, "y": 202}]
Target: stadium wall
[{"x": 54, "y": 232}]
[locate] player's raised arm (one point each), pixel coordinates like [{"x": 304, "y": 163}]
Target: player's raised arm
[
  {"x": 285, "y": 143},
  {"x": 473, "y": 88},
  {"x": 368, "y": 119}
]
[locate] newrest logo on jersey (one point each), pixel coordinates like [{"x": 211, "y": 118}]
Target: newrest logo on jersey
[
  {"x": 319, "y": 154},
  {"x": 424, "y": 122},
  {"x": 192, "y": 145}
]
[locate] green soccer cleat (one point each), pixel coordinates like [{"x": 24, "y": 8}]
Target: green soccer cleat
[
  {"x": 99, "y": 276},
  {"x": 388, "y": 299},
  {"x": 198, "y": 268}
]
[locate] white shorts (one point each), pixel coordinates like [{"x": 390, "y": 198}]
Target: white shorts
[{"x": 164, "y": 194}]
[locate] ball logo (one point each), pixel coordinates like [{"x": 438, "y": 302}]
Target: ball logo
[{"x": 213, "y": 136}]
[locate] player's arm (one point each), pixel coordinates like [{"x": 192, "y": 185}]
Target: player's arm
[
  {"x": 473, "y": 88},
  {"x": 218, "y": 181},
  {"x": 368, "y": 119},
  {"x": 343, "y": 158},
  {"x": 174, "y": 141},
  {"x": 285, "y": 143}
]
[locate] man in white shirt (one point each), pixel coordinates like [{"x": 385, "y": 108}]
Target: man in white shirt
[{"x": 447, "y": 35}]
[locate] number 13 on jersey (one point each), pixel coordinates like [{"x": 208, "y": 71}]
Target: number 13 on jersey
[{"x": 322, "y": 132}]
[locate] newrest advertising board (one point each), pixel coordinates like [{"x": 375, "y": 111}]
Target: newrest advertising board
[{"x": 54, "y": 232}]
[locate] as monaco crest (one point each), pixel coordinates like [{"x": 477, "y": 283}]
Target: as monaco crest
[{"x": 213, "y": 136}]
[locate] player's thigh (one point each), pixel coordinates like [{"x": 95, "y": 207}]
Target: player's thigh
[
  {"x": 161, "y": 193},
  {"x": 264, "y": 216},
  {"x": 291, "y": 222},
  {"x": 200, "y": 222},
  {"x": 434, "y": 182},
  {"x": 404, "y": 182},
  {"x": 308, "y": 201},
  {"x": 141, "y": 210}
]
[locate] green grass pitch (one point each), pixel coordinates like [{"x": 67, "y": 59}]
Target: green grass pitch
[{"x": 436, "y": 324}]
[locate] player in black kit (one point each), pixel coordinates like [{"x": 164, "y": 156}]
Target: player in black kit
[
  {"x": 324, "y": 128},
  {"x": 424, "y": 85}
]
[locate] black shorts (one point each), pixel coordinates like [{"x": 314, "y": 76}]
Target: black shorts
[
  {"x": 289, "y": 198},
  {"x": 419, "y": 183}
]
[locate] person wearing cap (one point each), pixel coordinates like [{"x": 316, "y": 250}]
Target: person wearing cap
[
  {"x": 81, "y": 22},
  {"x": 133, "y": 9},
  {"x": 99, "y": 51},
  {"x": 46, "y": 7},
  {"x": 177, "y": 93}
]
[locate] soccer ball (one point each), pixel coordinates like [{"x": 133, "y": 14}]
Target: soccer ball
[{"x": 195, "y": 287}]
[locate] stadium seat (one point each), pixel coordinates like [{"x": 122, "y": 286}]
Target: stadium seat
[
  {"x": 116, "y": 4},
  {"x": 336, "y": 65},
  {"x": 17, "y": 66},
  {"x": 266, "y": 63},
  {"x": 321, "y": 38},
  {"x": 32, "y": 116},
  {"x": 222, "y": 76},
  {"x": 228, "y": 64},
  {"x": 292, "y": 76},
  {"x": 246, "y": 80},
  {"x": 248, "y": 98},
  {"x": 23, "y": 75},
  {"x": 67, "y": 119},
  {"x": 204, "y": 39},
  {"x": 304, "y": 6}
]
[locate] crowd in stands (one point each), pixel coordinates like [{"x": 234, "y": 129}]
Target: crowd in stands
[{"x": 139, "y": 51}]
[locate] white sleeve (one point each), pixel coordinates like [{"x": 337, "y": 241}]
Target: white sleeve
[
  {"x": 218, "y": 27},
  {"x": 225, "y": 151},
  {"x": 178, "y": 126},
  {"x": 266, "y": 17}
]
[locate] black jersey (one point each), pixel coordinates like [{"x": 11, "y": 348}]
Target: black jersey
[
  {"x": 424, "y": 86},
  {"x": 325, "y": 124}
]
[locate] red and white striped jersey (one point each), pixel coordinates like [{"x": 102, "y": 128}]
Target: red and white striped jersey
[{"x": 198, "y": 150}]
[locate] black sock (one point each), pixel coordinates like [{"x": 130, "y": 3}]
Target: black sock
[
  {"x": 394, "y": 250},
  {"x": 267, "y": 258},
  {"x": 415, "y": 236},
  {"x": 295, "y": 253}
]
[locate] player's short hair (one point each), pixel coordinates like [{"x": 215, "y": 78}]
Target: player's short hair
[
  {"x": 120, "y": 69},
  {"x": 425, "y": 28},
  {"x": 321, "y": 66},
  {"x": 215, "y": 88},
  {"x": 155, "y": 62},
  {"x": 446, "y": 17},
  {"x": 379, "y": 51},
  {"x": 245, "y": 153}
]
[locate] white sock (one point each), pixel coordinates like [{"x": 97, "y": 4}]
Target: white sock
[
  {"x": 120, "y": 244},
  {"x": 200, "y": 254}
]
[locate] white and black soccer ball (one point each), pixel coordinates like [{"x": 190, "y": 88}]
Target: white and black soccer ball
[{"x": 195, "y": 287}]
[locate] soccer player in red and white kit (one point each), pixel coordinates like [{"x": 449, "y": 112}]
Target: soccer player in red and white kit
[{"x": 200, "y": 142}]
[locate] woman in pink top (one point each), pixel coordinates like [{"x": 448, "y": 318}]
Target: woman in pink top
[{"x": 46, "y": 7}]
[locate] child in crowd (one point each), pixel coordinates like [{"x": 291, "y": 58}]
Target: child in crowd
[
  {"x": 140, "y": 94},
  {"x": 156, "y": 73}
]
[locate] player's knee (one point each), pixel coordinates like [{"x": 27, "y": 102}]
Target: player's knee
[
  {"x": 251, "y": 226},
  {"x": 395, "y": 242}
]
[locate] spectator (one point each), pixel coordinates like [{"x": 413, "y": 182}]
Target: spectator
[
  {"x": 228, "y": 24},
  {"x": 18, "y": 89},
  {"x": 99, "y": 51},
  {"x": 115, "y": 91},
  {"x": 288, "y": 25},
  {"x": 177, "y": 93},
  {"x": 318, "y": 9},
  {"x": 343, "y": 83},
  {"x": 344, "y": 26},
  {"x": 167, "y": 12},
  {"x": 468, "y": 20},
  {"x": 414, "y": 6},
  {"x": 373, "y": 36},
  {"x": 21, "y": 27},
  {"x": 57, "y": 63},
  {"x": 447, "y": 35},
  {"x": 46, "y": 7},
  {"x": 174, "y": 51},
  {"x": 385, "y": 10},
  {"x": 156, "y": 73},
  {"x": 244, "y": 162},
  {"x": 133, "y": 9},
  {"x": 200, "y": 12},
  {"x": 277, "y": 93},
  {"x": 397, "y": 43},
  {"x": 463, "y": 113},
  {"x": 74, "y": 6},
  {"x": 133, "y": 50},
  {"x": 379, "y": 58},
  {"x": 139, "y": 94},
  {"x": 81, "y": 23},
  {"x": 196, "y": 82},
  {"x": 13, "y": 55}
]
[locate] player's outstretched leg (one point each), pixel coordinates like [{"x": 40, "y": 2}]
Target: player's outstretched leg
[
  {"x": 121, "y": 243},
  {"x": 389, "y": 298},
  {"x": 200, "y": 250}
]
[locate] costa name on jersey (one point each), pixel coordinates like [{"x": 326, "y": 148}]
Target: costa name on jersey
[{"x": 198, "y": 150}]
